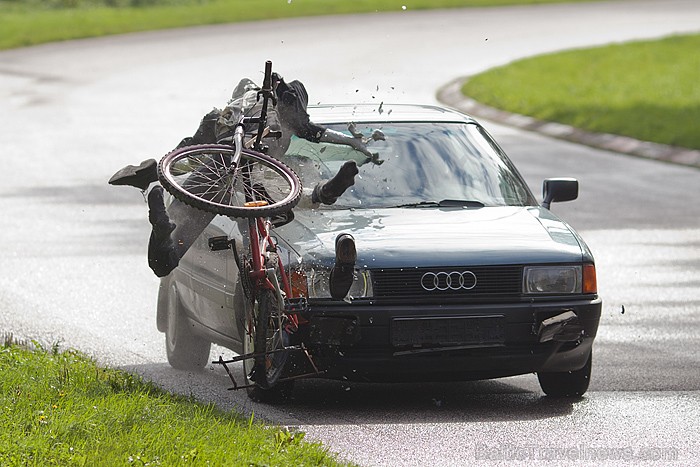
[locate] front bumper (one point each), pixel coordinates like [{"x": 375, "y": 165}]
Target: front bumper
[{"x": 355, "y": 341}]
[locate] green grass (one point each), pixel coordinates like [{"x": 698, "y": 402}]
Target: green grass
[
  {"x": 646, "y": 90},
  {"x": 30, "y": 22},
  {"x": 60, "y": 408}
]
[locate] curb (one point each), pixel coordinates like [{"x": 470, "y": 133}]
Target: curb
[{"x": 451, "y": 95}]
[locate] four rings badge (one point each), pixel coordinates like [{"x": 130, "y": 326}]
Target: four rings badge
[{"x": 455, "y": 280}]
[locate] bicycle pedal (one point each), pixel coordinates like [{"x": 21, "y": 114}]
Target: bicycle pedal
[
  {"x": 219, "y": 243},
  {"x": 296, "y": 305},
  {"x": 256, "y": 204}
]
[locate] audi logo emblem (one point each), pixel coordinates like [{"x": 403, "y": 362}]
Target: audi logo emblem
[{"x": 454, "y": 280}]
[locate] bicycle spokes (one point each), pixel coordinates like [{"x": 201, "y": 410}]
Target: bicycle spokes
[{"x": 207, "y": 177}]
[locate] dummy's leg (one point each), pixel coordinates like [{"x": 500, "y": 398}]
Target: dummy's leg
[
  {"x": 329, "y": 191},
  {"x": 174, "y": 231},
  {"x": 342, "y": 273},
  {"x": 162, "y": 256}
]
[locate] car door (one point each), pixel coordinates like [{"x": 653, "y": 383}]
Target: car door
[{"x": 209, "y": 278}]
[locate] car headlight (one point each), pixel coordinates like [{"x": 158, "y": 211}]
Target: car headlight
[
  {"x": 552, "y": 280},
  {"x": 315, "y": 280}
]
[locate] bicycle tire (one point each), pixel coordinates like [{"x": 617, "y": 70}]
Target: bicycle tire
[
  {"x": 202, "y": 176},
  {"x": 269, "y": 335},
  {"x": 281, "y": 390}
]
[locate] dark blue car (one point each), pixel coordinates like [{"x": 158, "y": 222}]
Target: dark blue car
[{"x": 461, "y": 273}]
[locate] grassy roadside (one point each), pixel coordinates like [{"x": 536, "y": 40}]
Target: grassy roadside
[
  {"x": 31, "y": 22},
  {"x": 60, "y": 408},
  {"x": 646, "y": 90}
]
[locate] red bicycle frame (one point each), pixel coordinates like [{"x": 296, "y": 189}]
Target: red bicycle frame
[{"x": 262, "y": 242}]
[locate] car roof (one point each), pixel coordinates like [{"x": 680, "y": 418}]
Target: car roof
[{"x": 344, "y": 113}]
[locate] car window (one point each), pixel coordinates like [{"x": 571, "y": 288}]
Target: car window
[{"x": 415, "y": 163}]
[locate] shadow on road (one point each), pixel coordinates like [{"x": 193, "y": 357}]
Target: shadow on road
[
  {"x": 477, "y": 401},
  {"x": 323, "y": 402}
]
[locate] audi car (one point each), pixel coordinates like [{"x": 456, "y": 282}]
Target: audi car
[{"x": 461, "y": 274}]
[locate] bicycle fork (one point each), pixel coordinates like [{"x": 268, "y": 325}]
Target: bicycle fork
[{"x": 264, "y": 277}]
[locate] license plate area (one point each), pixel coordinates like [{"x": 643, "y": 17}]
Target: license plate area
[{"x": 462, "y": 330}]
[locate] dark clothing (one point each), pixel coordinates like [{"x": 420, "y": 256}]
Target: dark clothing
[
  {"x": 292, "y": 101},
  {"x": 205, "y": 133},
  {"x": 289, "y": 116}
]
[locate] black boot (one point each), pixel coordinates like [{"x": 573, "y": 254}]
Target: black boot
[
  {"x": 343, "y": 270},
  {"x": 162, "y": 256},
  {"x": 139, "y": 176},
  {"x": 328, "y": 192}
]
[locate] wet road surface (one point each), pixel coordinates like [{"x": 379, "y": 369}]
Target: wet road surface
[{"x": 74, "y": 267}]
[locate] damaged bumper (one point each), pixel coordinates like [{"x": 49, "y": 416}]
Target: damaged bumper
[{"x": 452, "y": 342}]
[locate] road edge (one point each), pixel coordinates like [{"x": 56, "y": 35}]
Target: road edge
[{"x": 451, "y": 95}]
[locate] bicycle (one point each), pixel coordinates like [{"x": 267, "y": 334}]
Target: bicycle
[{"x": 240, "y": 180}]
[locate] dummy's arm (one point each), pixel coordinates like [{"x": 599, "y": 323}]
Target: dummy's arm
[{"x": 355, "y": 142}]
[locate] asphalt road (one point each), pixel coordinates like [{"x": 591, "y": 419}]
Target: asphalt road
[{"x": 75, "y": 271}]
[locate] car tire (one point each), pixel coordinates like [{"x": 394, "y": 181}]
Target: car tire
[
  {"x": 567, "y": 383},
  {"x": 185, "y": 350}
]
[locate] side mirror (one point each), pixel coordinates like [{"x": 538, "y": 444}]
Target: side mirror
[{"x": 559, "y": 189}]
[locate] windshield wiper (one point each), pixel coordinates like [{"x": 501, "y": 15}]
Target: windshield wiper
[{"x": 445, "y": 203}]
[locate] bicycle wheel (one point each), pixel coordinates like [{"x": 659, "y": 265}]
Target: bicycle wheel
[
  {"x": 281, "y": 390},
  {"x": 270, "y": 340},
  {"x": 203, "y": 177}
]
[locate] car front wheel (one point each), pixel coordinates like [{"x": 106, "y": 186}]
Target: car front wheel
[
  {"x": 185, "y": 350},
  {"x": 567, "y": 383}
]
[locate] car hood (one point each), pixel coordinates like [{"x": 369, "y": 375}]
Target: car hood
[{"x": 426, "y": 237}]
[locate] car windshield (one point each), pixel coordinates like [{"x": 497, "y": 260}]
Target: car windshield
[{"x": 416, "y": 164}]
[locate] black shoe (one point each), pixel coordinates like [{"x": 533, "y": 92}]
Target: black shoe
[
  {"x": 343, "y": 270},
  {"x": 330, "y": 191},
  {"x": 139, "y": 176}
]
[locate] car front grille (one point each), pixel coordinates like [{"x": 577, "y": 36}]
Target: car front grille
[{"x": 478, "y": 283}]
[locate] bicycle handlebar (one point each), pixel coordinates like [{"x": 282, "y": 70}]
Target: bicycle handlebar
[
  {"x": 267, "y": 80},
  {"x": 266, "y": 93}
]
